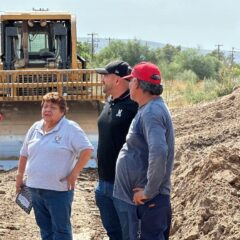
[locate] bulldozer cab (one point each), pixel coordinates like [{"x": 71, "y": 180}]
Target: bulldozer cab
[
  {"x": 38, "y": 54},
  {"x": 38, "y": 40}
]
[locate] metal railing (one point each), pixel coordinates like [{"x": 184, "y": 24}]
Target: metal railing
[{"x": 31, "y": 85}]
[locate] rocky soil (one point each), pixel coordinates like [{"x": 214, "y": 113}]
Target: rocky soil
[
  {"x": 206, "y": 181},
  {"x": 15, "y": 224}
]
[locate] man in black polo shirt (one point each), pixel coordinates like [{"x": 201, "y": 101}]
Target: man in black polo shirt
[{"x": 113, "y": 124}]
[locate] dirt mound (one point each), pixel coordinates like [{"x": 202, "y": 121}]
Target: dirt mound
[{"x": 206, "y": 181}]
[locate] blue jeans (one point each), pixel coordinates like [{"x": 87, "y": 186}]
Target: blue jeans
[
  {"x": 52, "y": 211},
  {"x": 105, "y": 202},
  {"x": 150, "y": 221}
]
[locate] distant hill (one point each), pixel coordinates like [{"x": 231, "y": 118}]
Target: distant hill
[
  {"x": 237, "y": 57},
  {"x": 101, "y": 43}
]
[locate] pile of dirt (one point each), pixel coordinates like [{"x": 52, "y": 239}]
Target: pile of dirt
[{"x": 206, "y": 181}]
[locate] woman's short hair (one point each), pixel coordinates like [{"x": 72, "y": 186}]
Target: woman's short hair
[
  {"x": 56, "y": 98},
  {"x": 153, "y": 89}
]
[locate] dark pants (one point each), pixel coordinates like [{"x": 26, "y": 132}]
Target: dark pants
[
  {"x": 105, "y": 202},
  {"x": 52, "y": 211},
  {"x": 150, "y": 221}
]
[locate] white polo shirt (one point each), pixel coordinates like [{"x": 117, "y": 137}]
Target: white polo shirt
[{"x": 52, "y": 156}]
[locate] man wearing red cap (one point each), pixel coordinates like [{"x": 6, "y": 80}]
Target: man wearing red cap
[{"x": 144, "y": 165}]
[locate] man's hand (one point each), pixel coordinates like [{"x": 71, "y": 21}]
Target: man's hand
[{"x": 139, "y": 197}]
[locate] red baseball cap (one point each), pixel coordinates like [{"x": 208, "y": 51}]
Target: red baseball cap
[{"x": 145, "y": 71}]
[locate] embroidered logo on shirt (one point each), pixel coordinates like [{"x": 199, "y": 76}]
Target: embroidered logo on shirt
[
  {"x": 119, "y": 114},
  {"x": 58, "y": 139}
]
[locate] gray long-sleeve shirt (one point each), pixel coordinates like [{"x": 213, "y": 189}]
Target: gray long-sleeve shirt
[{"x": 146, "y": 159}]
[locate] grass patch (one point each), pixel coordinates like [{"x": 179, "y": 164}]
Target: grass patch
[{"x": 178, "y": 93}]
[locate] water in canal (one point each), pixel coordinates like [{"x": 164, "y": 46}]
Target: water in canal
[{"x": 9, "y": 164}]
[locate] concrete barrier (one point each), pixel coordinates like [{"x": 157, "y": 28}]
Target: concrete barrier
[{"x": 19, "y": 116}]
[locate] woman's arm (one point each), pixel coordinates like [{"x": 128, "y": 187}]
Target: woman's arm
[
  {"x": 83, "y": 159},
  {"x": 20, "y": 173}
]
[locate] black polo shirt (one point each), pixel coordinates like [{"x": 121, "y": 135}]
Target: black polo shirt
[{"x": 113, "y": 124}]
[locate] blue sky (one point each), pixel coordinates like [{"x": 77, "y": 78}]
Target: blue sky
[{"x": 189, "y": 23}]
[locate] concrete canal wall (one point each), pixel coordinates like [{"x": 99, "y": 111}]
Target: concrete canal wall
[{"x": 17, "y": 117}]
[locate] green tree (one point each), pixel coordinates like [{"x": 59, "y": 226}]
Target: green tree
[
  {"x": 170, "y": 71},
  {"x": 219, "y": 55},
  {"x": 204, "y": 66},
  {"x": 132, "y": 52},
  {"x": 114, "y": 51},
  {"x": 170, "y": 52},
  {"x": 137, "y": 52},
  {"x": 236, "y": 71},
  {"x": 83, "y": 49}
]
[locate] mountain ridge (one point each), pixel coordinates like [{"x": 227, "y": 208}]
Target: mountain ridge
[{"x": 101, "y": 43}]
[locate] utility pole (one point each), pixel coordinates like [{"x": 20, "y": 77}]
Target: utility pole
[
  {"x": 218, "y": 50},
  {"x": 233, "y": 52},
  {"x": 232, "y": 56},
  {"x": 109, "y": 40},
  {"x": 93, "y": 43}
]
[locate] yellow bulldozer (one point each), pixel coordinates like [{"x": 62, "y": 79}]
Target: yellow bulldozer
[{"x": 38, "y": 54}]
